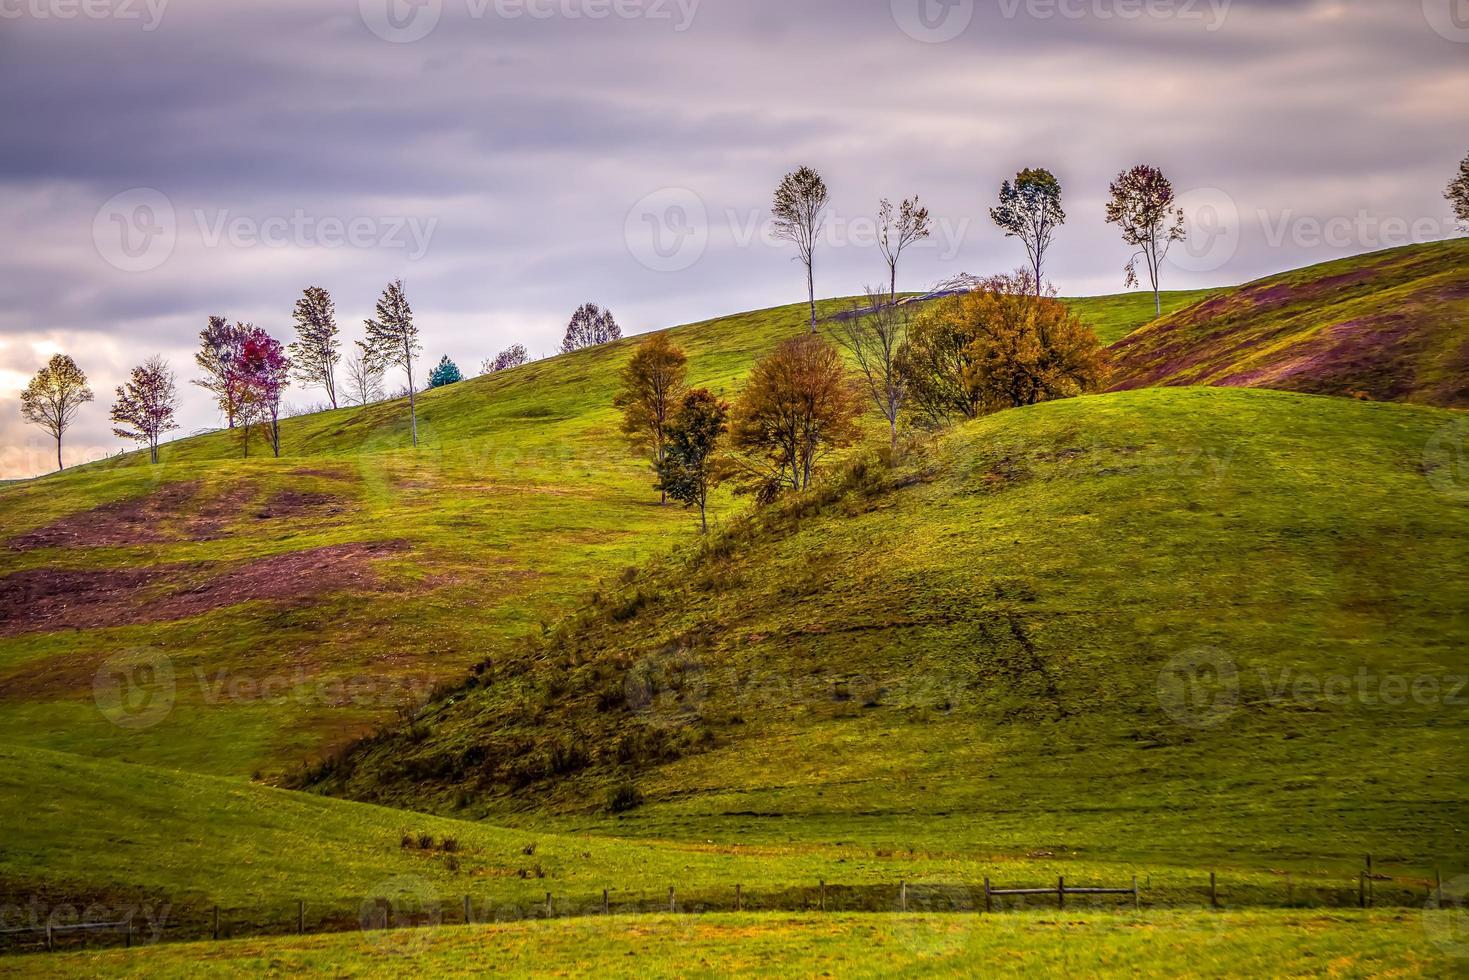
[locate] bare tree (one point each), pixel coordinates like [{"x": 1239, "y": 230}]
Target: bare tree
[
  {"x": 511, "y": 357},
  {"x": 799, "y": 202},
  {"x": 1142, "y": 205},
  {"x": 873, "y": 338},
  {"x": 364, "y": 379},
  {"x": 145, "y": 406},
  {"x": 316, "y": 351},
  {"x": 392, "y": 341},
  {"x": 896, "y": 233},
  {"x": 590, "y": 326},
  {"x": 54, "y": 397},
  {"x": 1030, "y": 210}
]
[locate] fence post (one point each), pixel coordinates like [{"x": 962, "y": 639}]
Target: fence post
[
  {"x": 606, "y": 907},
  {"x": 1137, "y": 903},
  {"x": 468, "y": 911},
  {"x": 739, "y": 898},
  {"x": 987, "y": 906},
  {"x": 49, "y": 941},
  {"x": 216, "y": 922},
  {"x": 672, "y": 905},
  {"x": 1361, "y": 889},
  {"x": 823, "y": 896},
  {"x": 127, "y": 936},
  {"x": 1213, "y": 890},
  {"x": 903, "y": 895},
  {"x": 1060, "y": 893},
  {"x": 548, "y": 904},
  {"x": 1438, "y": 880},
  {"x": 301, "y": 917}
]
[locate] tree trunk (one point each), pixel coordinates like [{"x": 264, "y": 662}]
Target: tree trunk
[
  {"x": 893, "y": 429},
  {"x": 1157, "y": 302},
  {"x": 59, "y": 465},
  {"x": 892, "y": 283},
  {"x": 412, "y": 403},
  {"x": 811, "y": 293}
]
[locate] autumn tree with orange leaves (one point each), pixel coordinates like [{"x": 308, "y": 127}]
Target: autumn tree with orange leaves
[
  {"x": 652, "y": 385},
  {"x": 798, "y": 405},
  {"x": 1004, "y": 345}
]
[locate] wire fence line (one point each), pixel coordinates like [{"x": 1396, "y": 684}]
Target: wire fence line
[{"x": 387, "y": 912}]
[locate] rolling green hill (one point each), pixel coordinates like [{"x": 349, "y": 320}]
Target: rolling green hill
[
  {"x": 1000, "y": 645},
  {"x": 1005, "y": 649},
  {"x": 279, "y": 608},
  {"x": 1390, "y": 326}
]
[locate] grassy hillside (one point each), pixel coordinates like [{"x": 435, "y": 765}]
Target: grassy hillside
[
  {"x": 1391, "y": 326},
  {"x": 1079, "y": 943},
  {"x": 258, "y": 612},
  {"x": 1093, "y": 627}
]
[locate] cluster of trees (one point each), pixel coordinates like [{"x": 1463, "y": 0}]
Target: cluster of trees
[
  {"x": 247, "y": 371},
  {"x": 1141, "y": 203},
  {"x": 1007, "y": 343},
  {"x": 998, "y": 342}
]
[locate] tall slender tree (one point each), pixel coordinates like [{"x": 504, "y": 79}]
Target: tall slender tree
[
  {"x": 53, "y": 398},
  {"x": 1142, "y": 205},
  {"x": 896, "y": 232},
  {"x": 317, "y": 350},
  {"x": 873, "y": 336},
  {"x": 798, "y": 208},
  {"x": 146, "y": 405},
  {"x": 1458, "y": 194},
  {"x": 392, "y": 341},
  {"x": 652, "y": 385},
  {"x": 221, "y": 343},
  {"x": 1030, "y": 210}
]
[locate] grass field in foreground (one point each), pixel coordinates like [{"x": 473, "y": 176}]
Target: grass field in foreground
[{"x": 1197, "y": 944}]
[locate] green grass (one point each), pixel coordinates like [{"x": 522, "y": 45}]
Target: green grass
[
  {"x": 522, "y": 497},
  {"x": 1114, "y": 317},
  {"x": 1390, "y": 326},
  {"x": 930, "y": 674},
  {"x": 1086, "y": 944},
  {"x": 967, "y": 653}
]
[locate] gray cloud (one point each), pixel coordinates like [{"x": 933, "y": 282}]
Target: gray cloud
[{"x": 522, "y": 147}]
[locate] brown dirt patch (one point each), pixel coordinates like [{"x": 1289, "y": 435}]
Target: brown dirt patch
[
  {"x": 299, "y": 503},
  {"x": 41, "y": 600},
  {"x": 173, "y": 512}
]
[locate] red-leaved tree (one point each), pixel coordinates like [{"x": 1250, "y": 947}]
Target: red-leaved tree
[{"x": 264, "y": 368}]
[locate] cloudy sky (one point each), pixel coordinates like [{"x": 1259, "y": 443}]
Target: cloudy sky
[{"x": 164, "y": 160}]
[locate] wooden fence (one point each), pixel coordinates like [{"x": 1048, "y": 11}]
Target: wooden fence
[{"x": 1367, "y": 889}]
